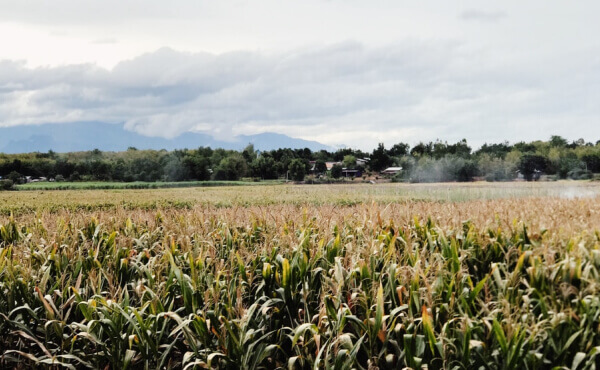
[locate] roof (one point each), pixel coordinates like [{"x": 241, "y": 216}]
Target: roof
[
  {"x": 330, "y": 165},
  {"x": 392, "y": 169}
]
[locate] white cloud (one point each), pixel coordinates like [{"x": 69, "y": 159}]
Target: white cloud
[
  {"x": 344, "y": 93},
  {"x": 342, "y": 72}
]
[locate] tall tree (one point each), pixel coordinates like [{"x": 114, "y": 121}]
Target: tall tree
[
  {"x": 297, "y": 169},
  {"x": 380, "y": 160}
]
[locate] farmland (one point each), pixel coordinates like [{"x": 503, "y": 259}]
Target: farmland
[
  {"x": 493, "y": 275},
  {"x": 106, "y": 185}
]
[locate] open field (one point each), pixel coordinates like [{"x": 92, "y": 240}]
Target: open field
[
  {"x": 338, "y": 194},
  {"x": 96, "y": 185},
  {"x": 500, "y": 276}
]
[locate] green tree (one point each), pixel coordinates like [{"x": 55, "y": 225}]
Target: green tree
[
  {"x": 264, "y": 167},
  {"x": 15, "y": 177},
  {"x": 380, "y": 160},
  {"x": 349, "y": 161},
  {"x": 399, "y": 150},
  {"x": 592, "y": 162},
  {"x": 297, "y": 169},
  {"x": 558, "y": 141},
  {"x": 249, "y": 153},
  {"x": 320, "y": 166},
  {"x": 530, "y": 164},
  {"x": 231, "y": 168},
  {"x": 422, "y": 149},
  {"x": 495, "y": 150},
  {"x": 174, "y": 170},
  {"x": 197, "y": 166},
  {"x": 336, "y": 171}
]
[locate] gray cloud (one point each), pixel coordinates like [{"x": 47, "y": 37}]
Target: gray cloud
[
  {"x": 483, "y": 16},
  {"x": 344, "y": 93}
]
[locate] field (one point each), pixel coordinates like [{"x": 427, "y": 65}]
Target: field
[
  {"x": 231, "y": 196},
  {"x": 500, "y": 276},
  {"x": 95, "y": 185}
]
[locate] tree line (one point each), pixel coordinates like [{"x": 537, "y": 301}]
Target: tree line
[{"x": 424, "y": 162}]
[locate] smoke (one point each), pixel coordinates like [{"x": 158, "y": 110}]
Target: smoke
[{"x": 573, "y": 192}]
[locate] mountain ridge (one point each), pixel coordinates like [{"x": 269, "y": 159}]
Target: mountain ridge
[{"x": 82, "y": 136}]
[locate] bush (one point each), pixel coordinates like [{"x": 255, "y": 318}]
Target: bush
[
  {"x": 15, "y": 177},
  {"x": 399, "y": 177},
  {"x": 74, "y": 177},
  {"x": 336, "y": 171},
  {"x": 7, "y": 184},
  {"x": 580, "y": 174}
]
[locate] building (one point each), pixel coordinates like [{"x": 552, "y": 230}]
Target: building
[
  {"x": 362, "y": 162},
  {"x": 346, "y": 172},
  {"x": 391, "y": 171},
  {"x": 331, "y": 164}
]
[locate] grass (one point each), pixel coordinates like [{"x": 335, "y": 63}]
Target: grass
[
  {"x": 96, "y": 185},
  {"x": 300, "y": 277}
]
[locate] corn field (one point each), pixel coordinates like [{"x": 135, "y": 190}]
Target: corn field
[{"x": 498, "y": 284}]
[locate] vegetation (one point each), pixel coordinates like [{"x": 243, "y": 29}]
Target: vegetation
[
  {"x": 6, "y": 184},
  {"x": 299, "y": 284},
  {"x": 91, "y": 185},
  {"x": 425, "y": 162},
  {"x": 297, "y": 169},
  {"x": 342, "y": 195}
]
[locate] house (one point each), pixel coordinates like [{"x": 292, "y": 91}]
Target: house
[
  {"x": 346, "y": 172},
  {"x": 331, "y": 164},
  {"x": 391, "y": 171},
  {"x": 362, "y": 162},
  {"x": 32, "y": 179}
]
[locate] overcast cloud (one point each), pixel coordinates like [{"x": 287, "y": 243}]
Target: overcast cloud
[{"x": 482, "y": 74}]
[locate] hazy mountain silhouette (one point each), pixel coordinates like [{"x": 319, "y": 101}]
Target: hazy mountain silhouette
[{"x": 72, "y": 137}]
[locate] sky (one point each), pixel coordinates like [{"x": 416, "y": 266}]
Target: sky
[{"x": 344, "y": 73}]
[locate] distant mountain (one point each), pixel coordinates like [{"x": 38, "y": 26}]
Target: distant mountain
[{"x": 73, "y": 137}]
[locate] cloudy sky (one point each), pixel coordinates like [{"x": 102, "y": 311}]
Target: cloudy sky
[{"x": 340, "y": 72}]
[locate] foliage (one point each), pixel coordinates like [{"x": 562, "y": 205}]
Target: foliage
[
  {"x": 320, "y": 166},
  {"x": 495, "y": 168},
  {"x": 336, "y": 171},
  {"x": 532, "y": 164},
  {"x": 349, "y": 162},
  {"x": 264, "y": 167},
  {"x": 7, "y": 184},
  {"x": 231, "y": 168},
  {"x": 380, "y": 160},
  {"x": 310, "y": 289},
  {"x": 297, "y": 169},
  {"x": 15, "y": 177},
  {"x": 494, "y": 162}
]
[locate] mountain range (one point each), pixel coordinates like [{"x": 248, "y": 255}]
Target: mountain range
[{"x": 73, "y": 137}]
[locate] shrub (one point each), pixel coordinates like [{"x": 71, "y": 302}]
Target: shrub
[
  {"x": 336, "y": 171},
  {"x": 7, "y": 184},
  {"x": 579, "y": 174}
]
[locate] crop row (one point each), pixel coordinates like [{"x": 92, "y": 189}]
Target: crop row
[{"x": 294, "y": 292}]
